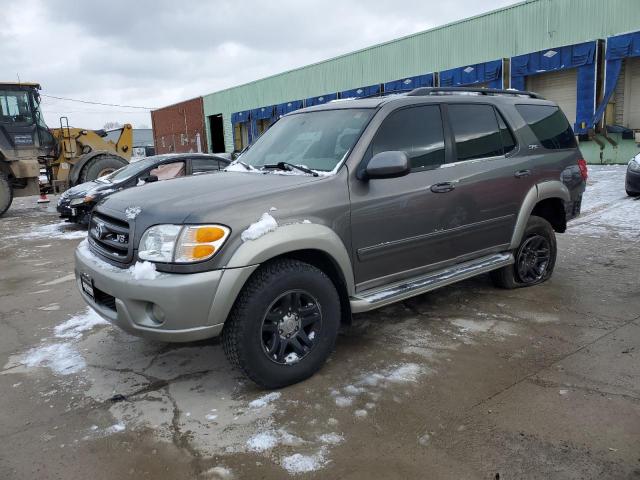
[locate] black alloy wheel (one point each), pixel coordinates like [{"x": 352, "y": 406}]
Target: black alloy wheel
[{"x": 533, "y": 259}]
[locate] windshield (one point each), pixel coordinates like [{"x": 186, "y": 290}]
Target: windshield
[
  {"x": 130, "y": 170},
  {"x": 317, "y": 140},
  {"x": 15, "y": 107}
]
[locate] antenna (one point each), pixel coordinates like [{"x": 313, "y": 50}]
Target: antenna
[{"x": 18, "y": 75}]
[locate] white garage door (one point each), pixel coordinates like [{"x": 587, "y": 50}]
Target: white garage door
[
  {"x": 627, "y": 96},
  {"x": 560, "y": 87}
]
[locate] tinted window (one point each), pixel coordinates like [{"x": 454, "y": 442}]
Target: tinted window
[
  {"x": 476, "y": 132},
  {"x": 548, "y": 124},
  {"x": 508, "y": 142},
  {"x": 203, "y": 165},
  {"x": 416, "y": 131}
]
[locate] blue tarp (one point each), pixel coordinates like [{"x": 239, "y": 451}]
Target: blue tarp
[
  {"x": 262, "y": 113},
  {"x": 241, "y": 117},
  {"x": 489, "y": 73},
  {"x": 618, "y": 48},
  {"x": 580, "y": 56},
  {"x": 287, "y": 107},
  {"x": 409, "y": 83},
  {"x": 369, "y": 91},
  {"x": 309, "y": 102}
]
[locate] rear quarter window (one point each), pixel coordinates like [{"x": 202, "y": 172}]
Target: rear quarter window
[{"x": 549, "y": 125}]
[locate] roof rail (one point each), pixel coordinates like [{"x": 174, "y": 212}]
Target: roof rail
[{"x": 423, "y": 91}]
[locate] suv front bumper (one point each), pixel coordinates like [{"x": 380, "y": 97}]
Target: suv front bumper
[{"x": 171, "y": 307}]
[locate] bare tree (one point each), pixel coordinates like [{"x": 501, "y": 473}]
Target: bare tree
[{"x": 112, "y": 125}]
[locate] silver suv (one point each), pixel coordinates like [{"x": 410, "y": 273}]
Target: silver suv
[{"x": 337, "y": 209}]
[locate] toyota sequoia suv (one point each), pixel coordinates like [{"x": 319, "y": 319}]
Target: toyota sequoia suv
[{"x": 337, "y": 209}]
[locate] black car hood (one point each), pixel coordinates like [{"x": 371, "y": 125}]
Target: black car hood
[{"x": 193, "y": 198}]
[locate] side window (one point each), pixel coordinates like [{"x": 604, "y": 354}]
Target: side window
[
  {"x": 204, "y": 165},
  {"x": 548, "y": 124},
  {"x": 508, "y": 142},
  {"x": 476, "y": 132},
  {"x": 168, "y": 170},
  {"x": 417, "y": 131}
]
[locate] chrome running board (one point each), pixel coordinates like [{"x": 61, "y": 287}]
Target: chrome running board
[{"x": 379, "y": 297}]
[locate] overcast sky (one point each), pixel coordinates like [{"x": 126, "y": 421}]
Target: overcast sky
[{"x": 159, "y": 52}]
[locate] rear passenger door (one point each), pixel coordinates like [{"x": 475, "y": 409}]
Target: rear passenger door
[{"x": 489, "y": 182}]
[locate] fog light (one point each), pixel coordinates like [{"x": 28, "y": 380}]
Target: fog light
[{"x": 157, "y": 314}]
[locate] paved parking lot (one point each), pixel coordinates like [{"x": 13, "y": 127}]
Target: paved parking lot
[{"x": 465, "y": 382}]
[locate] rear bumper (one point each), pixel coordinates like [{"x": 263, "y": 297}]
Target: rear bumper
[{"x": 185, "y": 301}]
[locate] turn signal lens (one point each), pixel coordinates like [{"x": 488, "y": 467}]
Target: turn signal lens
[
  {"x": 209, "y": 234},
  {"x": 200, "y": 242}
]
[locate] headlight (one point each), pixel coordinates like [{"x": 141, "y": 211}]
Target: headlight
[
  {"x": 182, "y": 244},
  {"x": 81, "y": 200},
  {"x": 634, "y": 166}
]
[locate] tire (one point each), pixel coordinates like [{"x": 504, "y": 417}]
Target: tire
[
  {"x": 632, "y": 194},
  {"x": 99, "y": 166},
  {"x": 260, "y": 323},
  {"x": 532, "y": 265},
  {"x": 6, "y": 193}
]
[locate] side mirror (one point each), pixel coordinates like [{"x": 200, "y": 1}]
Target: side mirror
[
  {"x": 390, "y": 164},
  {"x": 149, "y": 178}
]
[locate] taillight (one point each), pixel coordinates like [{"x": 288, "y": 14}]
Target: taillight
[{"x": 584, "y": 171}]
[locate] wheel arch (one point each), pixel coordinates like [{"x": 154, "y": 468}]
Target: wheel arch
[
  {"x": 315, "y": 244},
  {"x": 546, "y": 200}
]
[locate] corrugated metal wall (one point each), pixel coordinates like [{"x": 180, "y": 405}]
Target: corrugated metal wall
[{"x": 522, "y": 28}]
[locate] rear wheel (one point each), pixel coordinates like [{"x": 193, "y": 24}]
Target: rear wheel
[
  {"x": 6, "y": 193},
  {"x": 284, "y": 324},
  {"x": 100, "y": 166},
  {"x": 632, "y": 194},
  {"x": 535, "y": 258}
]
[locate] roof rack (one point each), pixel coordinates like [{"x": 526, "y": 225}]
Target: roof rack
[{"x": 423, "y": 91}]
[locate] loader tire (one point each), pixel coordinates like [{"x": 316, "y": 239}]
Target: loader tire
[
  {"x": 6, "y": 193},
  {"x": 101, "y": 165}
]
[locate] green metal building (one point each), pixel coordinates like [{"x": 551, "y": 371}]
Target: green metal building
[{"x": 583, "y": 54}]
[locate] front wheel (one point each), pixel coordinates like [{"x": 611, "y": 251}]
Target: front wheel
[
  {"x": 6, "y": 193},
  {"x": 535, "y": 258},
  {"x": 101, "y": 165},
  {"x": 284, "y": 323}
]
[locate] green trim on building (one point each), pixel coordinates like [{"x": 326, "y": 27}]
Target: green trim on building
[{"x": 525, "y": 27}]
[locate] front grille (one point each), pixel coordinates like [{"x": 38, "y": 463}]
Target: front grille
[{"x": 110, "y": 237}]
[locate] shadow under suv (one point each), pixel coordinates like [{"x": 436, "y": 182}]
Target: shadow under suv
[{"x": 337, "y": 209}]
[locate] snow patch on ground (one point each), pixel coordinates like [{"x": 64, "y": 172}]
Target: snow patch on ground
[
  {"x": 298, "y": 463},
  {"x": 144, "y": 271},
  {"x": 61, "y": 358},
  {"x": 78, "y": 324},
  {"x": 606, "y": 209},
  {"x": 260, "y": 228},
  {"x": 265, "y": 400},
  {"x": 59, "y": 231}
]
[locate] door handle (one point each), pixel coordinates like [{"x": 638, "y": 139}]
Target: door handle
[
  {"x": 442, "y": 187},
  {"x": 522, "y": 173}
]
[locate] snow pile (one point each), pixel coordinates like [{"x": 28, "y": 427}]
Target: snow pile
[
  {"x": 298, "y": 463},
  {"x": 77, "y": 324},
  {"x": 132, "y": 212},
  {"x": 291, "y": 358},
  {"x": 331, "y": 438},
  {"x": 262, "y": 441},
  {"x": 144, "y": 271},
  {"x": 238, "y": 167},
  {"x": 265, "y": 400},
  {"x": 62, "y": 358},
  {"x": 116, "y": 428},
  {"x": 263, "y": 226}
]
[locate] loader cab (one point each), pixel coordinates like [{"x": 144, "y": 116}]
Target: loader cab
[{"x": 22, "y": 125}]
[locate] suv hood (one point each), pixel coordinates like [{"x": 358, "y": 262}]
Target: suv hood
[{"x": 193, "y": 198}]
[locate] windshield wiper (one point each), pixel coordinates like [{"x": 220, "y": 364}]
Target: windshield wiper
[{"x": 286, "y": 166}]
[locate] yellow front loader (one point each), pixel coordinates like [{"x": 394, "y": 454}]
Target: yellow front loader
[{"x": 68, "y": 155}]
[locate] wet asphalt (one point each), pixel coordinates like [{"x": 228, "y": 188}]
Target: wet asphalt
[{"x": 468, "y": 382}]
